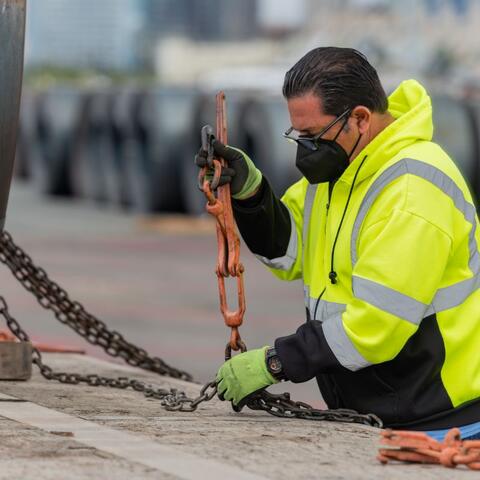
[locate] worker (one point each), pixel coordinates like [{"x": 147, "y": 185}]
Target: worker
[{"x": 383, "y": 231}]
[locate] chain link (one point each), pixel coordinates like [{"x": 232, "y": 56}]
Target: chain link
[
  {"x": 171, "y": 399},
  {"x": 52, "y": 297},
  {"x": 280, "y": 405},
  {"x": 219, "y": 205},
  {"x": 228, "y": 264},
  {"x": 71, "y": 313},
  {"x": 419, "y": 447}
]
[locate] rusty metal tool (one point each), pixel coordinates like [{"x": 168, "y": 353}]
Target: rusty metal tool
[
  {"x": 418, "y": 447},
  {"x": 219, "y": 205}
]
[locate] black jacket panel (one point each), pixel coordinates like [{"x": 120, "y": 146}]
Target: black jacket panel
[{"x": 264, "y": 222}]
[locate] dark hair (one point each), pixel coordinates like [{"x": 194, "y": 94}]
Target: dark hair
[{"x": 341, "y": 77}]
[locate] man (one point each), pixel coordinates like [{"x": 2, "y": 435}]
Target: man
[{"x": 383, "y": 231}]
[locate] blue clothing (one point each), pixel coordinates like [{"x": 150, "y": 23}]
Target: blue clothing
[{"x": 468, "y": 432}]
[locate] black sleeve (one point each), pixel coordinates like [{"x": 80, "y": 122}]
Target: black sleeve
[
  {"x": 306, "y": 353},
  {"x": 264, "y": 222}
]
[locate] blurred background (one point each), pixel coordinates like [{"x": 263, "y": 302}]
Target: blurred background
[
  {"x": 115, "y": 93},
  {"x": 116, "y": 90}
]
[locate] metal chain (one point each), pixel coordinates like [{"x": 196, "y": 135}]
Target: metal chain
[
  {"x": 72, "y": 313},
  {"x": 228, "y": 264},
  {"x": 219, "y": 205},
  {"x": 280, "y": 405},
  {"x": 171, "y": 399},
  {"x": 52, "y": 297},
  {"x": 419, "y": 447}
]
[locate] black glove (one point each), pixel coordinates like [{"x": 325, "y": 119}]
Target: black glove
[{"x": 241, "y": 173}]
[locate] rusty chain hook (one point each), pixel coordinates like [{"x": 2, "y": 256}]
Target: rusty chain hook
[{"x": 220, "y": 207}]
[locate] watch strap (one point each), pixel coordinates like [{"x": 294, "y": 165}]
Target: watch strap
[{"x": 274, "y": 364}]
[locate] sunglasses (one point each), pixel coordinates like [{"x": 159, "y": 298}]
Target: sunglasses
[{"x": 311, "y": 142}]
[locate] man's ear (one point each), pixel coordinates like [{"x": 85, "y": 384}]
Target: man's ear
[{"x": 362, "y": 117}]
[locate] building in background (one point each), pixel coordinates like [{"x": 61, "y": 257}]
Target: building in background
[
  {"x": 100, "y": 34},
  {"x": 180, "y": 39},
  {"x": 123, "y": 34},
  {"x": 120, "y": 34},
  {"x": 209, "y": 20}
]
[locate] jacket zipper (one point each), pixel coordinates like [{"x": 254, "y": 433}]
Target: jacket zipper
[
  {"x": 333, "y": 274},
  {"x": 327, "y": 207},
  {"x": 330, "y": 190}
]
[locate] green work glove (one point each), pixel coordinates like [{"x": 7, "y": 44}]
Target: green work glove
[
  {"x": 242, "y": 174},
  {"x": 242, "y": 375}
]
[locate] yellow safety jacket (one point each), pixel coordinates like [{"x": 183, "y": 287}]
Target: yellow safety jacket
[{"x": 389, "y": 258}]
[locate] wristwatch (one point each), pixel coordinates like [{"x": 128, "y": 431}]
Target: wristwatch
[{"x": 274, "y": 365}]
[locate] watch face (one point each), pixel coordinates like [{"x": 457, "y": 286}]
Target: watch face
[{"x": 275, "y": 364}]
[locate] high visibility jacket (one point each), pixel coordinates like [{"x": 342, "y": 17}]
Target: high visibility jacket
[{"x": 389, "y": 258}]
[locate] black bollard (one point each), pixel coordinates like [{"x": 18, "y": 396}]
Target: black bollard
[{"x": 12, "y": 36}]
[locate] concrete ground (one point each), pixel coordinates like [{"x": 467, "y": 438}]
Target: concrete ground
[
  {"x": 151, "y": 279},
  {"x": 73, "y": 432},
  {"x": 154, "y": 281}
]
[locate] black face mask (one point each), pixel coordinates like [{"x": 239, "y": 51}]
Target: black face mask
[{"x": 325, "y": 164}]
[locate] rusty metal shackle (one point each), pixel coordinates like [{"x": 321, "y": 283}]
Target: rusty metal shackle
[{"x": 220, "y": 206}]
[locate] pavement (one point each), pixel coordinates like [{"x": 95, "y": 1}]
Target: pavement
[
  {"x": 153, "y": 280},
  {"x": 51, "y": 431}
]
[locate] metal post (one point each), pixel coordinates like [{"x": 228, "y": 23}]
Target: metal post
[
  {"x": 12, "y": 37},
  {"x": 15, "y": 357}
]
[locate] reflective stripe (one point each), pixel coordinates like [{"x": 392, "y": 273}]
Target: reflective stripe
[
  {"x": 306, "y": 296},
  {"x": 341, "y": 345},
  {"x": 328, "y": 309},
  {"x": 288, "y": 260},
  {"x": 325, "y": 308},
  {"x": 450, "y": 297},
  {"x": 307, "y": 212},
  {"x": 447, "y": 297},
  {"x": 389, "y": 300}
]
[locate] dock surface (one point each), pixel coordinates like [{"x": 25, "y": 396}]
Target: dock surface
[{"x": 53, "y": 431}]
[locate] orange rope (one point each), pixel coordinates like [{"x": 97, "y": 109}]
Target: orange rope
[{"x": 418, "y": 447}]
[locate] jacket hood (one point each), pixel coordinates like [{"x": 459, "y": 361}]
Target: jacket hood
[{"x": 411, "y": 107}]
